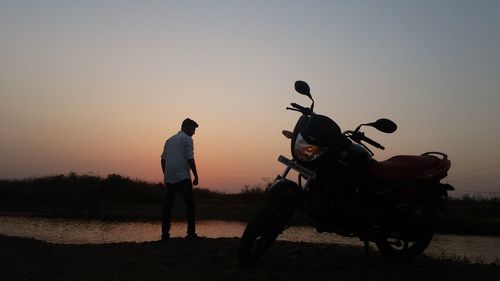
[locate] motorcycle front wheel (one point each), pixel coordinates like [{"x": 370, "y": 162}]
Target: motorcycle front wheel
[
  {"x": 398, "y": 246},
  {"x": 261, "y": 232}
]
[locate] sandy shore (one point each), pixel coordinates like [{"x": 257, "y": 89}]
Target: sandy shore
[{"x": 215, "y": 259}]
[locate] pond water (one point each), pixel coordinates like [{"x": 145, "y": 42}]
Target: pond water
[{"x": 482, "y": 249}]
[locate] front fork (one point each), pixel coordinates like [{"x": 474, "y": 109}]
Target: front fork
[{"x": 286, "y": 192}]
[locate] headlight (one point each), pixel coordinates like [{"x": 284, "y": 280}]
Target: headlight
[{"x": 305, "y": 151}]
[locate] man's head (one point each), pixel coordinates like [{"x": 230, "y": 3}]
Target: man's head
[{"x": 189, "y": 126}]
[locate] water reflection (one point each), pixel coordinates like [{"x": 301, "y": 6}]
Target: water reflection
[
  {"x": 484, "y": 249},
  {"x": 96, "y": 232}
]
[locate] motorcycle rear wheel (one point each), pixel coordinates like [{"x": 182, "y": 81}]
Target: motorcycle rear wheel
[
  {"x": 261, "y": 232},
  {"x": 398, "y": 248}
]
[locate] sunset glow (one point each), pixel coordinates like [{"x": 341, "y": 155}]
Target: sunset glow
[{"x": 93, "y": 86}]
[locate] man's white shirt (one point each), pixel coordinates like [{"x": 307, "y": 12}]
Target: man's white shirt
[{"x": 176, "y": 152}]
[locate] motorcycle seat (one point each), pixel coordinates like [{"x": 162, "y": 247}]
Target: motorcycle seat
[{"x": 410, "y": 167}]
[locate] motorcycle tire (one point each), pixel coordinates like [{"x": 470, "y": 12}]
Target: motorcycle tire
[
  {"x": 261, "y": 232},
  {"x": 404, "y": 249}
]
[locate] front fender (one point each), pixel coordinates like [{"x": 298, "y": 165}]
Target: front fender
[{"x": 285, "y": 189}]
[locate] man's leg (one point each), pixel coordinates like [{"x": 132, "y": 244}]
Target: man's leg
[
  {"x": 187, "y": 193},
  {"x": 170, "y": 190}
]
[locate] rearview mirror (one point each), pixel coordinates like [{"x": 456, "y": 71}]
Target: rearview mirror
[
  {"x": 303, "y": 88},
  {"x": 384, "y": 125}
]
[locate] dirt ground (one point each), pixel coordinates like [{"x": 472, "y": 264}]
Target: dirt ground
[{"x": 215, "y": 259}]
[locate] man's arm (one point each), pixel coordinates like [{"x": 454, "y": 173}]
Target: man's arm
[
  {"x": 192, "y": 164},
  {"x": 163, "y": 166}
]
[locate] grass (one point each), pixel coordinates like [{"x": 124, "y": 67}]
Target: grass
[
  {"x": 115, "y": 197},
  {"x": 471, "y": 215}
]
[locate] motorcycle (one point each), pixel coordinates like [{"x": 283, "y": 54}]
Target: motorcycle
[{"x": 343, "y": 190}]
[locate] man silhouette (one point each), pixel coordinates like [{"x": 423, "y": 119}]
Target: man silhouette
[{"x": 177, "y": 160}]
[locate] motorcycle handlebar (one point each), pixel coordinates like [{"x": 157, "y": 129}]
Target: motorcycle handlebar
[
  {"x": 360, "y": 136},
  {"x": 300, "y": 108},
  {"x": 372, "y": 142},
  {"x": 294, "y": 109}
]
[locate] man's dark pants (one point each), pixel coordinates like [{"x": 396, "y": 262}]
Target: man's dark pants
[{"x": 186, "y": 189}]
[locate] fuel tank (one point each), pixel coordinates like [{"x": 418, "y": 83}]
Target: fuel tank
[{"x": 355, "y": 155}]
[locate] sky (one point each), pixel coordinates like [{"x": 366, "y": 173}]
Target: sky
[{"x": 98, "y": 86}]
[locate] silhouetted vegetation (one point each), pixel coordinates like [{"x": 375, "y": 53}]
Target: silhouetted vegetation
[
  {"x": 115, "y": 197},
  {"x": 471, "y": 215},
  {"x": 78, "y": 191}
]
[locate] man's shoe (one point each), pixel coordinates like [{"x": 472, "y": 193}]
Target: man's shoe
[
  {"x": 192, "y": 236},
  {"x": 165, "y": 237}
]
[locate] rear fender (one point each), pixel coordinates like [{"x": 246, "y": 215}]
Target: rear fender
[
  {"x": 430, "y": 196},
  {"x": 437, "y": 195}
]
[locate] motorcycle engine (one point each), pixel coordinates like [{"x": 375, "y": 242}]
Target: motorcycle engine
[{"x": 335, "y": 193}]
